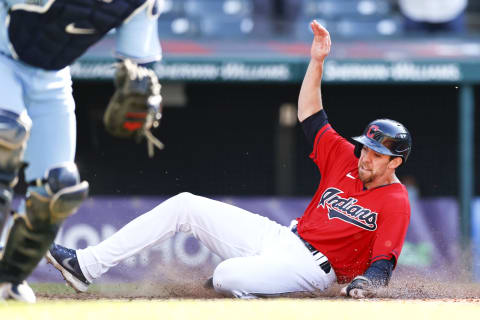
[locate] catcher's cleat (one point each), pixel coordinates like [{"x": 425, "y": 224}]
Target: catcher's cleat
[
  {"x": 17, "y": 291},
  {"x": 65, "y": 260}
]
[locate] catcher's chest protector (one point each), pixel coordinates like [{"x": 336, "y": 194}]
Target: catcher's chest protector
[{"x": 55, "y": 35}]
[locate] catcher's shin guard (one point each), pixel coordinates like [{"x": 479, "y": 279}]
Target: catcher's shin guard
[
  {"x": 6, "y": 195},
  {"x": 14, "y": 133},
  {"x": 48, "y": 204}
]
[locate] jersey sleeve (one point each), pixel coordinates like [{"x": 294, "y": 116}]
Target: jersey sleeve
[
  {"x": 380, "y": 272},
  {"x": 391, "y": 232},
  {"x": 313, "y": 124},
  {"x": 137, "y": 39},
  {"x": 331, "y": 151}
]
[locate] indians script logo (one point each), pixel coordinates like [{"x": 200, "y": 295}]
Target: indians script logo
[{"x": 346, "y": 210}]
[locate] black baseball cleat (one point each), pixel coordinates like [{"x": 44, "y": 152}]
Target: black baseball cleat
[
  {"x": 209, "y": 283},
  {"x": 65, "y": 260}
]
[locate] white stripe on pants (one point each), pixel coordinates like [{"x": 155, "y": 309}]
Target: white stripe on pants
[{"x": 261, "y": 256}]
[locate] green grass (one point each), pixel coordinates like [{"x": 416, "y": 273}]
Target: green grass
[
  {"x": 51, "y": 288},
  {"x": 134, "y": 290},
  {"x": 59, "y": 289}
]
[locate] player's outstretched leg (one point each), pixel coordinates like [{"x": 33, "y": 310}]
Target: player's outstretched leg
[
  {"x": 226, "y": 230},
  {"x": 262, "y": 258},
  {"x": 65, "y": 260},
  {"x": 49, "y": 202}
]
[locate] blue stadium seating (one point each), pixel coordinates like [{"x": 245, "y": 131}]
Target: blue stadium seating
[
  {"x": 235, "y": 18},
  {"x": 173, "y": 9},
  {"x": 338, "y": 9},
  {"x": 174, "y": 23},
  {"x": 178, "y": 27},
  {"x": 373, "y": 28},
  {"x": 349, "y": 18},
  {"x": 219, "y": 8},
  {"x": 221, "y": 18},
  {"x": 221, "y": 27}
]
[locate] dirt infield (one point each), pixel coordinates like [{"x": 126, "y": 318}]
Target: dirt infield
[
  {"x": 400, "y": 289},
  {"x": 186, "y": 298},
  {"x": 187, "y": 283}
]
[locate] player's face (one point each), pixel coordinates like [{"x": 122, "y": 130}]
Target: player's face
[{"x": 373, "y": 167}]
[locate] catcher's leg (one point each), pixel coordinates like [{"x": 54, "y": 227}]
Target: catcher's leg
[
  {"x": 52, "y": 110},
  {"x": 14, "y": 132},
  {"x": 55, "y": 190},
  {"x": 226, "y": 230}
]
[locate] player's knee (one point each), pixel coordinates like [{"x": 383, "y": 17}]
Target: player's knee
[
  {"x": 49, "y": 201},
  {"x": 227, "y": 278},
  {"x": 56, "y": 196},
  {"x": 14, "y": 133},
  {"x": 184, "y": 197},
  {"x": 184, "y": 200}
]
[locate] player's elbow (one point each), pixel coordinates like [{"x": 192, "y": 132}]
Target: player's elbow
[
  {"x": 301, "y": 115},
  {"x": 304, "y": 113}
]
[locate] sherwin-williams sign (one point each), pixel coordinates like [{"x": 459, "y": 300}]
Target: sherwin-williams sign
[{"x": 431, "y": 245}]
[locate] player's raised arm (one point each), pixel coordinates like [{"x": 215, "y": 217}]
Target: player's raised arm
[{"x": 310, "y": 100}]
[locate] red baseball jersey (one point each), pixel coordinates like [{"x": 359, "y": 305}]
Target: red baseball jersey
[{"x": 353, "y": 227}]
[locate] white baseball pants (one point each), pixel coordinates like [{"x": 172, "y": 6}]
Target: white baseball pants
[{"x": 261, "y": 256}]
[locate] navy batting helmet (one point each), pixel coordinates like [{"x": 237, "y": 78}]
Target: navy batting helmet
[{"x": 385, "y": 136}]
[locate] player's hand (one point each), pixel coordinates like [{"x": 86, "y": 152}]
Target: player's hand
[
  {"x": 359, "y": 288},
  {"x": 321, "y": 42}
]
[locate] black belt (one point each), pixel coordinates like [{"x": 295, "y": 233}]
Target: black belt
[{"x": 325, "y": 265}]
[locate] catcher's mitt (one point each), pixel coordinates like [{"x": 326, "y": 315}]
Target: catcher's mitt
[{"x": 135, "y": 106}]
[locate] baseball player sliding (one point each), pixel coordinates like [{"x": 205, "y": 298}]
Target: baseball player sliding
[{"x": 352, "y": 231}]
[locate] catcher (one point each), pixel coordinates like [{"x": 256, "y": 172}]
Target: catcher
[{"x": 37, "y": 44}]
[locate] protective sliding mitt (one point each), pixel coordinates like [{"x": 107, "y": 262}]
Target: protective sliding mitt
[
  {"x": 360, "y": 287},
  {"x": 135, "y": 107}
]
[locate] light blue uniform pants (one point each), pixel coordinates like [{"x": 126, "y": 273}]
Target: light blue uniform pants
[{"x": 47, "y": 98}]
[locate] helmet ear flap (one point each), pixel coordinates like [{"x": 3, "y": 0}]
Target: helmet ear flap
[{"x": 358, "y": 149}]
